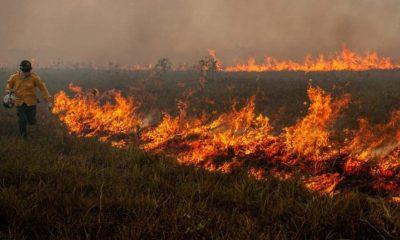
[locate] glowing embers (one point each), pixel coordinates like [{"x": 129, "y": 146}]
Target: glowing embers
[{"x": 344, "y": 60}]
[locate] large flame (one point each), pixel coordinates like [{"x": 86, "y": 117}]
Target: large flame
[
  {"x": 85, "y": 116},
  {"x": 312, "y": 136},
  {"x": 344, "y": 60},
  {"x": 375, "y": 151},
  {"x": 239, "y": 132},
  {"x": 242, "y": 139}
]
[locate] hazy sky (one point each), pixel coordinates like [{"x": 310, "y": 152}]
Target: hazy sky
[{"x": 141, "y": 31}]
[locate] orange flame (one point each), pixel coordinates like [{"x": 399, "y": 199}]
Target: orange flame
[
  {"x": 311, "y": 137},
  {"x": 85, "y": 116},
  {"x": 234, "y": 133},
  {"x": 242, "y": 139},
  {"x": 345, "y": 60},
  {"x": 376, "y": 149}
]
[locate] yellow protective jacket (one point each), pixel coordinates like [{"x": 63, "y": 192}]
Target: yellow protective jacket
[{"x": 25, "y": 88}]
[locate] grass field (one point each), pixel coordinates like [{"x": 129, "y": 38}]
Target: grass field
[{"x": 57, "y": 186}]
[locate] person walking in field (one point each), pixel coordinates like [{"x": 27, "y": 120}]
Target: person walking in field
[{"x": 23, "y": 85}]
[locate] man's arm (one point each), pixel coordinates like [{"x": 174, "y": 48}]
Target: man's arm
[
  {"x": 10, "y": 84},
  {"x": 43, "y": 89}
]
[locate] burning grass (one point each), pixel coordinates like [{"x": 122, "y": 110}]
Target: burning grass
[
  {"x": 242, "y": 139},
  {"x": 344, "y": 60},
  {"x": 85, "y": 115},
  {"x": 58, "y": 186}
]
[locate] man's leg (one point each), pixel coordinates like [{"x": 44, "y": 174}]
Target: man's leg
[
  {"x": 31, "y": 114},
  {"x": 22, "y": 120}
]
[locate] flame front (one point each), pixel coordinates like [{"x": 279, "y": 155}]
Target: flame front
[
  {"x": 241, "y": 139},
  {"x": 344, "y": 60},
  {"x": 86, "y": 117},
  {"x": 239, "y": 132},
  {"x": 312, "y": 136}
]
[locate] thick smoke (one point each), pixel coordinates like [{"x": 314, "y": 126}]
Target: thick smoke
[{"x": 141, "y": 31}]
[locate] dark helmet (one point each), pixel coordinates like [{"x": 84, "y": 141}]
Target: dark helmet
[{"x": 25, "y": 66}]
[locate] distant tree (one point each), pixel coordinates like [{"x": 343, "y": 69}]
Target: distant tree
[
  {"x": 163, "y": 65},
  {"x": 208, "y": 66}
]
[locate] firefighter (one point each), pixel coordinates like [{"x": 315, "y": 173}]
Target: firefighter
[{"x": 23, "y": 85}]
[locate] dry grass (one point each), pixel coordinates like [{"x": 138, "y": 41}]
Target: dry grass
[{"x": 56, "y": 186}]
